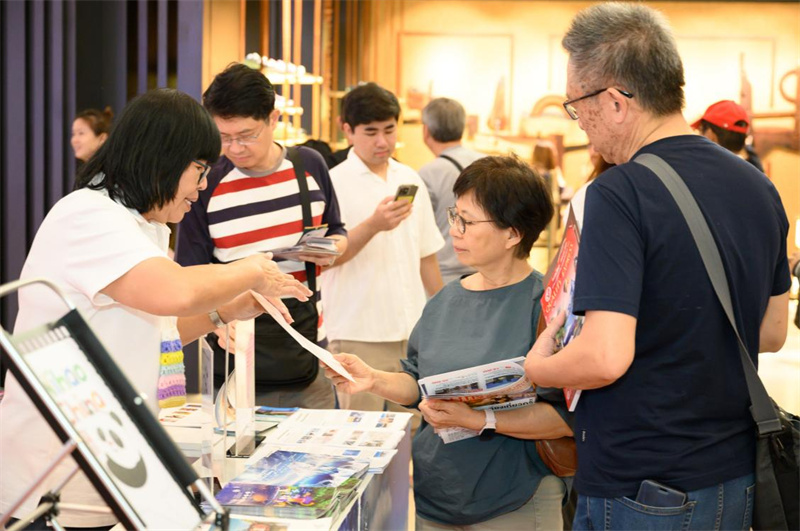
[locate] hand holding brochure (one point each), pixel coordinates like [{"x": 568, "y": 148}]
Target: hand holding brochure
[
  {"x": 559, "y": 292},
  {"x": 495, "y": 386},
  {"x": 323, "y": 355},
  {"x": 312, "y": 243}
]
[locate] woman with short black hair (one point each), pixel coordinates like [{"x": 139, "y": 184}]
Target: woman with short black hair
[
  {"x": 105, "y": 244},
  {"x": 496, "y": 481}
]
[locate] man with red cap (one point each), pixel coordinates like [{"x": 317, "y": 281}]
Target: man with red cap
[{"x": 726, "y": 124}]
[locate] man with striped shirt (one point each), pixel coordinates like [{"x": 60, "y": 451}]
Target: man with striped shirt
[{"x": 253, "y": 204}]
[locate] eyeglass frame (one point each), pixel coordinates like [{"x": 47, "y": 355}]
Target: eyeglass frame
[
  {"x": 453, "y": 215},
  {"x": 206, "y": 170},
  {"x": 246, "y": 141},
  {"x": 573, "y": 113}
]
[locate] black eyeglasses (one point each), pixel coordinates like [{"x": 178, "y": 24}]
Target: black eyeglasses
[
  {"x": 206, "y": 169},
  {"x": 454, "y": 218},
  {"x": 574, "y": 113}
]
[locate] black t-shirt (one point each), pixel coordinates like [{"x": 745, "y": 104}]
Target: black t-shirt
[{"x": 680, "y": 414}]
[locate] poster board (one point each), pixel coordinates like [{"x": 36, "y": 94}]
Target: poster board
[{"x": 121, "y": 447}]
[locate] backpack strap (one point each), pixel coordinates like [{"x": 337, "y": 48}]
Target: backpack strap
[{"x": 293, "y": 154}]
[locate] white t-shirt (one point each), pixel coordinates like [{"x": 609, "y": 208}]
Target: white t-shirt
[
  {"x": 378, "y": 296},
  {"x": 86, "y": 242}
]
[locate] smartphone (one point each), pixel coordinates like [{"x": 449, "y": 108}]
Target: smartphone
[
  {"x": 655, "y": 494},
  {"x": 407, "y": 192}
]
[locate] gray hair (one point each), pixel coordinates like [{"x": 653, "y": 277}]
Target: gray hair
[
  {"x": 445, "y": 119},
  {"x": 631, "y": 45}
]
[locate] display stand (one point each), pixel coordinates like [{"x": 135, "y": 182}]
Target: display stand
[{"x": 104, "y": 425}]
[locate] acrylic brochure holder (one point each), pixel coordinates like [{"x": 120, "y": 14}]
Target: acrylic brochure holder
[{"x": 104, "y": 425}]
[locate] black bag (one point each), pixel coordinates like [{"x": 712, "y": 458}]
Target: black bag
[
  {"x": 777, "y": 493},
  {"x": 279, "y": 360}
]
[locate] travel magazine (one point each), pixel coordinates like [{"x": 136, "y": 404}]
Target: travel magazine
[
  {"x": 559, "y": 292},
  {"x": 289, "y": 484},
  {"x": 497, "y": 385}
]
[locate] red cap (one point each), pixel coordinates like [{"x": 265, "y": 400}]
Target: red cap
[{"x": 725, "y": 114}]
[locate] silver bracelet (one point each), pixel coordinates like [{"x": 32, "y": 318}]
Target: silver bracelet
[{"x": 216, "y": 319}]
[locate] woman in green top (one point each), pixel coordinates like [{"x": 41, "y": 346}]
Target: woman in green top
[{"x": 496, "y": 480}]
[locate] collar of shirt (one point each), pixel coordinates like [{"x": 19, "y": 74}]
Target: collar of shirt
[{"x": 358, "y": 164}]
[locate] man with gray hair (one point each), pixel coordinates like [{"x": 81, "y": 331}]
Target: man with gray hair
[
  {"x": 663, "y": 428},
  {"x": 443, "y": 123}
]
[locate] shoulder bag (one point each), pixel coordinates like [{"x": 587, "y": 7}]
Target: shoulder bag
[
  {"x": 777, "y": 488},
  {"x": 559, "y": 455}
]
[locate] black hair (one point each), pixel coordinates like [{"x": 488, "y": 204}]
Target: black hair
[
  {"x": 99, "y": 121},
  {"x": 156, "y": 137},
  {"x": 240, "y": 91},
  {"x": 730, "y": 140},
  {"x": 512, "y": 193},
  {"x": 369, "y": 103}
]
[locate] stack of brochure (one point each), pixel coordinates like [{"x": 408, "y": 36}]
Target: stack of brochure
[
  {"x": 367, "y": 435},
  {"x": 287, "y": 484},
  {"x": 312, "y": 243},
  {"x": 497, "y": 385}
]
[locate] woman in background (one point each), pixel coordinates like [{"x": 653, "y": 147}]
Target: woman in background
[{"x": 89, "y": 130}]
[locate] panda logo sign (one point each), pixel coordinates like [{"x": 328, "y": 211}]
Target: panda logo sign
[{"x": 125, "y": 464}]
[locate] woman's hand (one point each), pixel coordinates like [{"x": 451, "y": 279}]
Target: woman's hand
[
  {"x": 275, "y": 283},
  {"x": 451, "y": 414},
  {"x": 363, "y": 374}
]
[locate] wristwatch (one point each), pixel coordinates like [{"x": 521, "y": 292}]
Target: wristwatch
[
  {"x": 491, "y": 421},
  {"x": 216, "y": 319}
]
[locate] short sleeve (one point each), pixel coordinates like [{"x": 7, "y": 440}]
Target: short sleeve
[
  {"x": 611, "y": 254},
  {"x": 102, "y": 241},
  {"x": 410, "y": 365}
]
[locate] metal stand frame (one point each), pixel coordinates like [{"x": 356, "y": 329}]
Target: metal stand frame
[{"x": 74, "y": 444}]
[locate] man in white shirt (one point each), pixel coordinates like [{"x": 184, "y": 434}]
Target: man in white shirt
[
  {"x": 443, "y": 121},
  {"x": 375, "y": 292}
]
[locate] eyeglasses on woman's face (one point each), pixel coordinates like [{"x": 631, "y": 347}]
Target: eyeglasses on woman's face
[
  {"x": 227, "y": 141},
  {"x": 204, "y": 172},
  {"x": 454, "y": 218},
  {"x": 573, "y": 113}
]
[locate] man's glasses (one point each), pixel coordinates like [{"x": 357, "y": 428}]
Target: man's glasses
[
  {"x": 574, "y": 113},
  {"x": 244, "y": 140},
  {"x": 454, "y": 218},
  {"x": 204, "y": 173}
]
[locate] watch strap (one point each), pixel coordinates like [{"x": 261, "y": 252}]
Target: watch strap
[
  {"x": 216, "y": 319},
  {"x": 491, "y": 421}
]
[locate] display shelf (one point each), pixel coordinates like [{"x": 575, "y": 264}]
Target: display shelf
[{"x": 281, "y": 78}]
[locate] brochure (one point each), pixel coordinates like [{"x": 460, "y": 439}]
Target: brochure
[
  {"x": 290, "y": 484},
  {"x": 378, "y": 458},
  {"x": 313, "y": 243},
  {"x": 497, "y": 385},
  {"x": 559, "y": 292}
]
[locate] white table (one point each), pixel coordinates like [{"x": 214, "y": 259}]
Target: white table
[{"x": 381, "y": 502}]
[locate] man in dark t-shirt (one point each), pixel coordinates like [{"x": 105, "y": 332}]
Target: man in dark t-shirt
[{"x": 664, "y": 392}]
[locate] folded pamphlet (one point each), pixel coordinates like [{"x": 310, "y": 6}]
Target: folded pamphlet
[
  {"x": 497, "y": 385},
  {"x": 312, "y": 243}
]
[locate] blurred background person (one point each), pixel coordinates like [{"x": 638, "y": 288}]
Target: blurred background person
[
  {"x": 89, "y": 130},
  {"x": 443, "y": 121},
  {"x": 726, "y": 123}
]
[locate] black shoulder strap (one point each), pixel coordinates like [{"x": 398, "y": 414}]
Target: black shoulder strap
[
  {"x": 762, "y": 409},
  {"x": 293, "y": 154},
  {"x": 538, "y": 291},
  {"x": 454, "y": 161}
]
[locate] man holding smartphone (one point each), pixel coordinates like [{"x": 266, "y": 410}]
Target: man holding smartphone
[{"x": 375, "y": 292}]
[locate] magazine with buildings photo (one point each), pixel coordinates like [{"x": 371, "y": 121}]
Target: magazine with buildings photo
[
  {"x": 559, "y": 292},
  {"x": 497, "y": 385}
]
